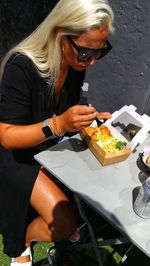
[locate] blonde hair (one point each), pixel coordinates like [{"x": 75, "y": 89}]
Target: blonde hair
[{"x": 69, "y": 17}]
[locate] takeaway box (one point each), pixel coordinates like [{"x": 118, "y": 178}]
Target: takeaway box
[{"x": 126, "y": 125}]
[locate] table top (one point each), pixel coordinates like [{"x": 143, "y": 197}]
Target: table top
[{"x": 110, "y": 190}]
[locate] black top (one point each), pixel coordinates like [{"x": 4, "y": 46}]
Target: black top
[{"x": 26, "y": 98}]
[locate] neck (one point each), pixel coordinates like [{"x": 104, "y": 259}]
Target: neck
[{"x": 62, "y": 76}]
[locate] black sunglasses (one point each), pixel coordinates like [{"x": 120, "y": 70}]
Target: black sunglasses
[{"x": 84, "y": 54}]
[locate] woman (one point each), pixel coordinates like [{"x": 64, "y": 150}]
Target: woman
[{"x": 41, "y": 80}]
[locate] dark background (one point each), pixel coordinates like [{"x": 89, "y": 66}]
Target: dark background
[{"x": 123, "y": 76}]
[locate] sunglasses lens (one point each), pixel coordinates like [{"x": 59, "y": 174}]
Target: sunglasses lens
[
  {"x": 87, "y": 54},
  {"x": 100, "y": 54}
]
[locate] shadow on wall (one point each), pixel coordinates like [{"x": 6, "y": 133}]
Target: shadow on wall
[
  {"x": 122, "y": 77},
  {"x": 20, "y": 18}
]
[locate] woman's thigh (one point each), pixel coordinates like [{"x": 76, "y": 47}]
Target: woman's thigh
[{"x": 51, "y": 203}]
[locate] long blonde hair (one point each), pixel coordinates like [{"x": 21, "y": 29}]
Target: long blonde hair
[{"x": 69, "y": 17}]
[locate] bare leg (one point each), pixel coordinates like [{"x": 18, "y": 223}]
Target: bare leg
[{"x": 57, "y": 219}]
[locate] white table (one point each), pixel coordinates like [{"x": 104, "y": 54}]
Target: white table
[{"x": 108, "y": 189}]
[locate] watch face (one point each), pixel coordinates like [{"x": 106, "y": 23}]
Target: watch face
[{"x": 47, "y": 131}]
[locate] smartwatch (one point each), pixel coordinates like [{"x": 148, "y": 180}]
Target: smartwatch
[{"x": 47, "y": 130}]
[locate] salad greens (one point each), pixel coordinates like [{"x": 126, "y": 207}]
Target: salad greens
[{"x": 120, "y": 145}]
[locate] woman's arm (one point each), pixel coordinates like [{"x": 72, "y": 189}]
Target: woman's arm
[
  {"x": 18, "y": 136},
  {"x": 26, "y": 136}
]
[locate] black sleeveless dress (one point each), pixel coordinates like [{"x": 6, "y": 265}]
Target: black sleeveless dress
[{"x": 25, "y": 98}]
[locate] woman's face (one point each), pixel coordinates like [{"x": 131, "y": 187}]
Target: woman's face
[{"x": 93, "y": 39}]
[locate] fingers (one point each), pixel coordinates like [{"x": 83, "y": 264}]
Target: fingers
[
  {"x": 104, "y": 115},
  {"x": 78, "y": 117},
  {"x": 85, "y": 109},
  {"x": 83, "y": 120},
  {"x": 100, "y": 115},
  {"x": 86, "y": 115}
]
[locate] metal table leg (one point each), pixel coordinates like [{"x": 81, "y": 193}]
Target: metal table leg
[{"x": 93, "y": 239}]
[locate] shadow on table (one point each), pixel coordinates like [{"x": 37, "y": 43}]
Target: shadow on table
[{"x": 70, "y": 144}]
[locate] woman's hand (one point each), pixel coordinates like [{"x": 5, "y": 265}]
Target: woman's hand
[{"x": 76, "y": 118}]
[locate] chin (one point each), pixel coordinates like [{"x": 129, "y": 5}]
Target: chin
[{"x": 80, "y": 68}]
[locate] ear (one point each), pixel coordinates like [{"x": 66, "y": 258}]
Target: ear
[{"x": 64, "y": 43}]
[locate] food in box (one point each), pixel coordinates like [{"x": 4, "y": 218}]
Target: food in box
[
  {"x": 126, "y": 126},
  {"x": 106, "y": 148},
  {"x": 101, "y": 134}
]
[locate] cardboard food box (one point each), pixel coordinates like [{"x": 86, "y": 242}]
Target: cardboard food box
[{"x": 125, "y": 125}]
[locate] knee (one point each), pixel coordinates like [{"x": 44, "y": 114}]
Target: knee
[{"x": 65, "y": 221}]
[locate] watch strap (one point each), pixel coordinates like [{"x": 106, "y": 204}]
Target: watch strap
[{"x": 47, "y": 129}]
